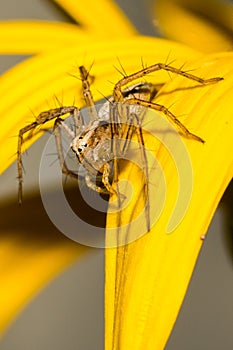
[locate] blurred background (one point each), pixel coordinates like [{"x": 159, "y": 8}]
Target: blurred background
[{"x": 68, "y": 312}]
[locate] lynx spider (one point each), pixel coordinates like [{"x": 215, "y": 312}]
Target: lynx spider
[{"x": 106, "y": 125}]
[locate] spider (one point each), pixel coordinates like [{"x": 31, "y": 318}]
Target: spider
[{"x": 96, "y": 144}]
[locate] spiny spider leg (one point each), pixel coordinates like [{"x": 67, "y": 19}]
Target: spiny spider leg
[
  {"x": 115, "y": 134},
  {"x": 42, "y": 118},
  {"x": 117, "y": 92},
  {"x": 134, "y": 125},
  {"x": 93, "y": 186},
  {"x": 127, "y": 135},
  {"x": 168, "y": 114},
  {"x": 145, "y": 168},
  {"x": 105, "y": 178},
  {"x": 84, "y": 74},
  {"x": 56, "y": 130},
  {"x": 108, "y": 189}
]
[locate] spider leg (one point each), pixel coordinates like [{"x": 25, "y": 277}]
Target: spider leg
[
  {"x": 115, "y": 135},
  {"x": 22, "y": 131},
  {"x": 84, "y": 74},
  {"x": 105, "y": 179},
  {"x": 78, "y": 120},
  {"x": 42, "y": 118},
  {"x": 126, "y": 131},
  {"x": 169, "y": 115},
  {"x": 93, "y": 186},
  {"x": 117, "y": 92},
  {"x": 134, "y": 125},
  {"x": 56, "y": 130},
  {"x": 145, "y": 169}
]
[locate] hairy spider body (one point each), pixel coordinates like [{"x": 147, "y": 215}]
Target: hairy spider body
[
  {"x": 92, "y": 146},
  {"x": 106, "y": 137}
]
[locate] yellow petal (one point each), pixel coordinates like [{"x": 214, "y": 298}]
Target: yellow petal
[
  {"x": 30, "y": 256},
  {"x": 99, "y": 17},
  {"x": 28, "y": 37},
  {"x": 204, "y": 25},
  {"x": 146, "y": 280}
]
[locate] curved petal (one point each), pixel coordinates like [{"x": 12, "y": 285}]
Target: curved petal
[
  {"x": 32, "y": 252},
  {"x": 29, "y": 37},
  {"x": 99, "y": 17},
  {"x": 146, "y": 280},
  {"x": 204, "y": 25}
]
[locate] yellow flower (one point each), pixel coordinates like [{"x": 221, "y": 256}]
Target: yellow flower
[
  {"x": 206, "y": 25},
  {"x": 146, "y": 280}
]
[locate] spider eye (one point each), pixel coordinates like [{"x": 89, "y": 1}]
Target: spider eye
[
  {"x": 85, "y": 145},
  {"x": 80, "y": 137},
  {"x": 79, "y": 150}
]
